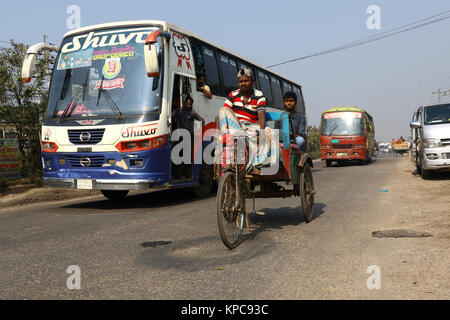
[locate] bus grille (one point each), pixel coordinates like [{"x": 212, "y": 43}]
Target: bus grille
[
  {"x": 85, "y": 136},
  {"x": 342, "y": 146},
  {"x": 445, "y": 142},
  {"x": 85, "y": 162}
]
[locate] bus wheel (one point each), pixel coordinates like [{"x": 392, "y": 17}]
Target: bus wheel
[
  {"x": 328, "y": 163},
  {"x": 115, "y": 195},
  {"x": 205, "y": 181}
]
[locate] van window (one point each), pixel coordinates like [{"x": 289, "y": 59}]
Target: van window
[
  {"x": 211, "y": 71},
  {"x": 264, "y": 86},
  {"x": 277, "y": 94},
  {"x": 229, "y": 73}
]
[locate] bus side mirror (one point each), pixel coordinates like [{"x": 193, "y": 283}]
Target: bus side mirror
[
  {"x": 29, "y": 63},
  {"x": 415, "y": 125},
  {"x": 151, "y": 53},
  {"x": 151, "y": 60}
]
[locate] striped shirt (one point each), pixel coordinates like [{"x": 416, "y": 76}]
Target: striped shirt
[{"x": 248, "y": 112}]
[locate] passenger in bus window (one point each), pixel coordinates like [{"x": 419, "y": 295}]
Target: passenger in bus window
[
  {"x": 203, "y": 86},
  {"x": 244, "y": 110},
  {"x": 297, "y": 120}
]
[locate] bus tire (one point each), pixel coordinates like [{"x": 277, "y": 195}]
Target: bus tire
[
  {"x": 115, "y": 195},
  {"x": 205, "y": 181},
  {"x": 328, "y": 163}
]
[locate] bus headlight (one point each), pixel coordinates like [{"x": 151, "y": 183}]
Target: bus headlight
[
  {"x": 49, "y": 146},
  {"x": 139, "y": 145}
]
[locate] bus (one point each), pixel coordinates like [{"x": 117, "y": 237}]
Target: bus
[
  {"x": 113, "y": 88},
  {"x": 346, "y": 133}
]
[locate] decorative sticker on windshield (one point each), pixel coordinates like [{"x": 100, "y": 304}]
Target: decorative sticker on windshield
[
  {"x": 111, "y": 68},
  {"x": 110, "y": 84},
  {"x": 335, "y": 115},
  {"x": 115, "y": 52},
  {"x": 79, "y": 59}
]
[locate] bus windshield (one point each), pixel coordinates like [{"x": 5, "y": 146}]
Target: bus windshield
[
  {"x": 102, "y": 74},
  {"x": 437, "y": 114},
  {"x": 342, "y": 123}
]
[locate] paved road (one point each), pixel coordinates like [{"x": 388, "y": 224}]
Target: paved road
[{"x": 282, "y": 258}]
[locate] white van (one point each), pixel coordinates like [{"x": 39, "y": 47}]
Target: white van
[{"x": 430, "y": 131}]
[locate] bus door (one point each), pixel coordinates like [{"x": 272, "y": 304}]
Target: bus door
[{"x": 181, "y": 89}]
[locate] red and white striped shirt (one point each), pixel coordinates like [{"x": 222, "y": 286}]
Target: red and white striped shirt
[{"x": 248, "y": 112}]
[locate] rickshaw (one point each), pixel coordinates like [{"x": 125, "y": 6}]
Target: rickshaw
[{"x": 235, "y": 184}]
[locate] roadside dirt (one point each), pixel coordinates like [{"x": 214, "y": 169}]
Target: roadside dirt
[
  {"x": 43, "y": 194},
  {"x": 418, "y": 267}
]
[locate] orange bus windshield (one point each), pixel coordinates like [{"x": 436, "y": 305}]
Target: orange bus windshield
[{"x": 342, "y": 123}]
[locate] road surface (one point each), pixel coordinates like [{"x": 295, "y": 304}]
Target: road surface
[{"x": 166, "y": 245}]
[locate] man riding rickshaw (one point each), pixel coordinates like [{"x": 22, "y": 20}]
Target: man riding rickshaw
[{"x": 250, "y": 162}]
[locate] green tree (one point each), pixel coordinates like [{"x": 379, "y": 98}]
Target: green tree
[
  {"x": 22, "y": 105},
  {"x": 313, "y": 142}
]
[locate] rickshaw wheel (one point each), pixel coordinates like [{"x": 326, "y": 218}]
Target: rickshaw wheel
[
  {"x": 307, "y": 192},
  {"x": 229, "y": 217}
]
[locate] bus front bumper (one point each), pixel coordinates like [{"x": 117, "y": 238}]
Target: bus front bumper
[{"x": 98, "y": 184}]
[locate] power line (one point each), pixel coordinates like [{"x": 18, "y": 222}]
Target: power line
[{"x": 395, "y": 31}]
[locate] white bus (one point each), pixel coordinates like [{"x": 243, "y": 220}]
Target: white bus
[{"x": 108, "y": 123}]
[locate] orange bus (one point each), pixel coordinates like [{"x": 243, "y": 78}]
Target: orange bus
[{"x": 346, "y": 133}]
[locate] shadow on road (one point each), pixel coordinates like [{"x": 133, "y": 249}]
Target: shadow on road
[
  {"x": 435, "y": 175},
  {"x": 279, "y": 217},
  {"x": 154, "y": 199}
]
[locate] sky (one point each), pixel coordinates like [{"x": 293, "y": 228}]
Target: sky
[{"x": 389, "y": 78}]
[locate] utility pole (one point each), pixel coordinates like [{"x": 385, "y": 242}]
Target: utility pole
[{"x": 439, "y": 92}]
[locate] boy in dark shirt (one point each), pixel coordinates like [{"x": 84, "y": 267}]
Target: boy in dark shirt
[{"x": 297, "y": 120}]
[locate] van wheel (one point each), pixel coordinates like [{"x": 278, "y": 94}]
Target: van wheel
[
  {"x": 115, "y": 195},
  {"x": 425, "y": 173}
]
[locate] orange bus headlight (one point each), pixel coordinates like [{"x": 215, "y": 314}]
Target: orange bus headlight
[
  {"x": 158, "y": 142},
  {"x": 49, "y": 146}
]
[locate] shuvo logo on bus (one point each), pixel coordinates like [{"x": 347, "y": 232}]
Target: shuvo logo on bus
[
  {"x": 99, "y": 39},
  {"x": 139, "y": 131}
]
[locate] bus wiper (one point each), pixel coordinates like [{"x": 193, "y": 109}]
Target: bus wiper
[
  {"x": 111, "y": 102},
  {"x": 332, "y": 130},
  {"x": 68, "y": 109}
]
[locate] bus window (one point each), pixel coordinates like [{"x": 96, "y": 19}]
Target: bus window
[
  {"x": 264, "y": 86},
  {"x": 277, "y": 95},
  {"x": 286, "y": 87},
  {"x": 300, "y": 100},
  {"x": 198, "y": 60},
  {"x": 211, "y": 71},
  {"x": 229, "y": 71}
]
